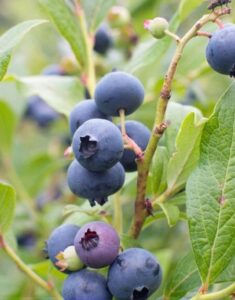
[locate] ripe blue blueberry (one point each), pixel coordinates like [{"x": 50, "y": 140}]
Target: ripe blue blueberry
[
  {"x": 135, "y": 274},
  {"x": 95, "y": 186},
  {"x": 119, "y": 90},
  {"x": 97, "y": 145},
  {"x": 85, "y": 285},
  {"x": 61, "y": 238},
  {"x": 97, "y": 244},
  {"x": 84, "y": 111},
  {"x": 140, "y": 134},
  {"x": 220, "y": 51},
  {"x": 103, "y": 40},
  {"x": 39, "y": 111}
]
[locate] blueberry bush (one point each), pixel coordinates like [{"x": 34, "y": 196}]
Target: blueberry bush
[{"x": 117, "y": 150}]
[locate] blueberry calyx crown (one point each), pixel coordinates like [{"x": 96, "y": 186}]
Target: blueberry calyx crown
[
  {"x": 141, "y": 293},
  {"x": 101, "y": 201},
  {"x": 90, "y": 240},
  {"x": 88, "y": 146}
]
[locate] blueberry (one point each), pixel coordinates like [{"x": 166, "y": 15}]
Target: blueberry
[
  {"x": 140, "y": 134},
  {"x": 134, "y": 275},
  {"x": 27, "y": 240},
  {"x": 84, "y": 111},
  {"x": 97, "y": 244},
  {"x": 55, "y": 70},
  {"x": 97, "y": 145},
  {"x": 220, "y": 51},
  {"x": 39, "y": 111},
  {"x": 85, "y": 285},
  {"x": 60, "y": 238},
  {"x": 95, "y": 186},
  {"x": 119, "y": 90},
  {"x": 103, "y": 40}
]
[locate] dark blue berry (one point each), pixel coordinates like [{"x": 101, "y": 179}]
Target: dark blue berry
[
  {"x": 97, "y": 244},
  {"x": 140, "y": 134},
  {"x": 135, "y": 274},
  {"x": 39, "y": 111},
  {"x": 97, "y": 145},
  {"x": 55, "y": 70},
  {"x": 119, "y": 90},
  {"x": 60, "y": 238},
  {"x": 220, "y": 51},
  {"x": 84, "y": 111},
  {"x": 95, "y": 186},
  {"x": 103, "y": 40},
  {"x": 85, "y": 285}
]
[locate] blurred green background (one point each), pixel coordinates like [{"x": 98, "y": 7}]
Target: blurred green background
[{"x": 35, "y": 166}]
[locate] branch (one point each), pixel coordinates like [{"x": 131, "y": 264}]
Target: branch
[
  {"x": 158, "y": 128},
  {"x": 31, "y": 274}
]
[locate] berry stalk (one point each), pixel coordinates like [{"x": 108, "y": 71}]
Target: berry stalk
[
  {"x": 48, "y": 287},
  {"x": 159, "y": 125}
]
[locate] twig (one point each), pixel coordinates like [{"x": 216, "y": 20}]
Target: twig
[{"x": 144, "y": 164}]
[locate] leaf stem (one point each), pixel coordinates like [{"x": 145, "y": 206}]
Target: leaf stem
[
  {"x": 31, "y": 274},
  {"x": 159, "y": 125},
  {"x": 216, "y": 295}
]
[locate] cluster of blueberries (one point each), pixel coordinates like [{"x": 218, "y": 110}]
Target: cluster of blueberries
[
  {"x": 134, "y": 274},
  {"x": 100, "y": 158}
]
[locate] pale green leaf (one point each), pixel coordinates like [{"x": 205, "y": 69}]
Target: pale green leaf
[
  {"x": 171, "y": 212},
  {"x": 175, "y": 114},
  {"x": 61, "y": 92},
  {"x": 68, "y": 25},
  {"x": 7, "y": 126},
  {"x": 159, "y": 168},
  {"x": 186, "y": 7},
  {"x": 96, "y": 11},
  {"x": 184, "y": 278},
  {"x": 185, "y": 159},
  {"x": 211, "y": 194},
  {"x": 7, "y": 206},
  {"x": 228, "y": 275},
  {"x": 10, "y": 39}
]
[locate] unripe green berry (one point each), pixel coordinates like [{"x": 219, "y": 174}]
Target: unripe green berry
[
  {"x": 68, "y": 260},
  {"x": 157, "y": 27},
  {"x": 118, "y": 17}
]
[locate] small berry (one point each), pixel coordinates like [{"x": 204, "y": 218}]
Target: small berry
[
  {"x": 95, "y": 186},
  {"x": 119, "y": 16},
  {"x": 135, "y": 274},
  {"x": 97, "y": 145},
  {"x": 157, "y": 27},
  {"x": 119, "y": 90},
  {"x": 103, "y": 40},
  {"x": 84, "y": 111},
  {"x": 97, "y": 244},
  {"x": 85, "y": 285}
]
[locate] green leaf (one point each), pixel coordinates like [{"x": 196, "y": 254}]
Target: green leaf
[
  {"x": 10, "y": 39},
  {"x": 7, "y": 127},
  {"x": 60, "y": 92},
  {"x": 185, "y": 159},
  {"x": 68, "y": 26},
  {"x": 96, "y": 11},
  {"x": 45, "y": 165},
  {"x": 185, "y": 278},
  {"x": 171, "y": 212},
  {"x": 178, "y": 199},
  {"x": 228, "y": 275},
  {"x": 7, "y": 206},
  {"x": 175, "y": 115},
  {"x": 211, "y": 194},
  {"x": 186, "y": 7},
  {"x": 159, "y": 168}
]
